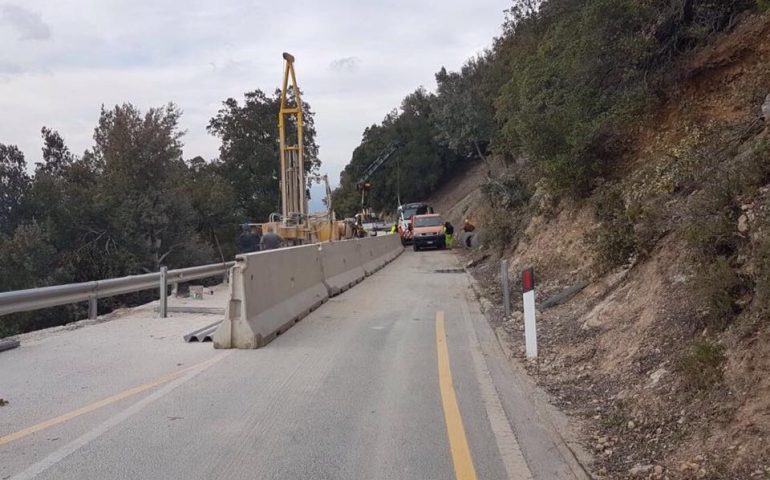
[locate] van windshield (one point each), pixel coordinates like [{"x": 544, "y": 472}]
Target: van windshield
[
  {"x": 428, "y": 222},
  {"x": 409, "y": 212}
]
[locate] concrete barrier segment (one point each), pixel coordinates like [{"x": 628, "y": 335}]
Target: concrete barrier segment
[
  {"x": 376, "y": 252},
  {"x": 269, "y": 292},
  {"x": 341, "y": 263}
]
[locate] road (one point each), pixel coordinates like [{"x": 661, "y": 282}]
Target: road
[{"x": 397, "y": 378}]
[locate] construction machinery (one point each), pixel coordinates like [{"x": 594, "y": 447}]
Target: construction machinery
[
  {"x": 366, "y": 221},
  {"x": 363, "y": 185},
  {"x": 294, "y": 224},
  {"x": 404, "y": 215}
]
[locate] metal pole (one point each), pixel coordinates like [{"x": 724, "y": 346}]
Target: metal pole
[
  {"x": 398, "y": 181},
  {"x": 163, "y": 292},
  {"x": 92, "y": 308},
  {"x": 505, "y": 284}
]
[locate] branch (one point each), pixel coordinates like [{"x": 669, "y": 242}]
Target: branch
[{"x": 170, "y": 250}]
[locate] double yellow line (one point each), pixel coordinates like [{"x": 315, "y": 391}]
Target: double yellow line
[{"x": 458, "y": 442}]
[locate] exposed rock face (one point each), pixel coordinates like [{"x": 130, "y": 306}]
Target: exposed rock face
[
  {"x": 766, "y": 109},
  {"x": 743, "y": 224}
]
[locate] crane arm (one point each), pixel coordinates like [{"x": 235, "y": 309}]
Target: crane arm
[{"x": 383, "y": 157}]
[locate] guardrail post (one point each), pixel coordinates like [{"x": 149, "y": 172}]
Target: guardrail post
[
  {"x": 163, "y": 292},
  {"x": 92, "y": 308},
  {"x": 505, "y": 285}
]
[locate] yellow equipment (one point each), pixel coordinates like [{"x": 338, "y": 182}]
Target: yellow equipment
[
  {"x": 295, "y": 225},
  {"x": 294, "y": 201}
]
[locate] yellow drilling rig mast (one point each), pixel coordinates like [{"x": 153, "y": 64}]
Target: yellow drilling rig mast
[
  {"x": 294, "y": 199},
  {"x": 295, "y": 224}
]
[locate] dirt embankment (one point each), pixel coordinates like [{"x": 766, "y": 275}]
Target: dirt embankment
[
  {"x": 459, "y": 199},
  {"x": 661, "y": 383}
]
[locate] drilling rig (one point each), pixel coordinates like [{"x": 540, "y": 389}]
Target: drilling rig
[{"x": 294, "y": 224}]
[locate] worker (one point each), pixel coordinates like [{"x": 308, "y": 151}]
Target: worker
[
  {"x": 270, "y": 241},
  {"x": 256, "y": 232},
  {"x": 358, "y": 230},
  {"x": 247, "y": 243},
  {"x": 394, "y": 228},
  {"x": 449, "y": 235},
  {"x": 468, "y": 226}
]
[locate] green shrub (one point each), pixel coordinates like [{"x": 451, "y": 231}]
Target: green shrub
[
  {"x": 718, "y": 285},
  {"x": 764, "y": 5},
  {"x": 565, "y": 105},
  {"x": 505, "y": 199},
  {"x": 711, "y": 234},
  {"x": 508, "y": 191},
  {"x": 701, "y": 365},
  {"x": 501, "y": 229},
  {"x": 615, "y": 239}
]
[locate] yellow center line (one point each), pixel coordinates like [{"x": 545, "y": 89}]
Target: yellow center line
[
  {"x": 458, "y": 443},
  {"x": 11, "y": 437}
]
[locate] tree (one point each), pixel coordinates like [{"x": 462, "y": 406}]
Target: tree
[
  {"x": 56, "y": 155},
  {"x": 141, "y": 186},
  {"x": 249, "y": 154},
  {"x": 62, "y": 201},
  {"x": 14, "y": 185},
  {"x": 415, "y": 170},
  {"x": 462, "y": 110},
  {"x": 213, "y": 200},
  {"x": 25, "y": 262},
  {"x": 521, "y": 10},
  {"x": 27, "y": 253}
]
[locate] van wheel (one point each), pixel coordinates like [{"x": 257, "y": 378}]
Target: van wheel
[{"x": 416, "y": 248}]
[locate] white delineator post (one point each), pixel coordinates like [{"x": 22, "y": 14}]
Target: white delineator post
[{"x": 530, "y": 329}]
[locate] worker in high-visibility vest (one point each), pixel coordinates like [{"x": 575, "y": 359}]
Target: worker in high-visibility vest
[{"x": 449, "y": 235}]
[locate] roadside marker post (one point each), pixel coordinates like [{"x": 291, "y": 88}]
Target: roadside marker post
[
  {"x": 163, "y": 292},
  {"x": 530, "y": 329},
  {"x": 506, "y": 288}
]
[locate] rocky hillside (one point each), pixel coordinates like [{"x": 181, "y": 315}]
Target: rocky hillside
[{"x": 653, "y": 288}]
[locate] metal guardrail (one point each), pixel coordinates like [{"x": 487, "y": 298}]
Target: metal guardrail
[{"x": 44, "y": 297}]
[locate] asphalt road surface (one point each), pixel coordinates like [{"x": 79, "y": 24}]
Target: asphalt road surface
[{"x": 397, "y": 378}]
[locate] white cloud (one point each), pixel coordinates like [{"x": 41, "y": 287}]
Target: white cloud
[
  {"x": 355, "y": 61},
  {"x": 345, "y": 64},
  {"x": 29, "y": 25}
]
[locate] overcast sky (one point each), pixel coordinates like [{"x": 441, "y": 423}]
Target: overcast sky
[{"x": 355, "y": 61}]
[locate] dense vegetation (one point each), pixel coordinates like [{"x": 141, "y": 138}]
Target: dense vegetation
[
  {"x": 557, "y": 89},
  {"x": 132, "y": 203}
]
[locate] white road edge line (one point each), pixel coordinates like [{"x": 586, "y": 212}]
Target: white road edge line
[
  {"x": 510, "y": 452},
  {"x": 58, "y": 455}
]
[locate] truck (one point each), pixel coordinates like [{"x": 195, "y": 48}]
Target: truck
[
  {"x": 404, "y": 215},
  {"x": 428, "y": 231}
]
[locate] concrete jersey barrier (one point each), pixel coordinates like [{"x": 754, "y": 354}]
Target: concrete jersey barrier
[
  {"x": 272, "y": 290},
  {"x": 342, "y": 267},
  {"x": 269, "y": 292},
  {"x": 376, "y": 252}
]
